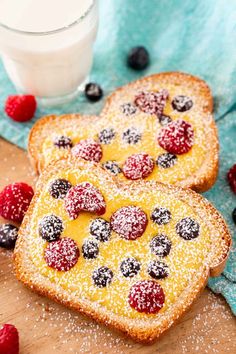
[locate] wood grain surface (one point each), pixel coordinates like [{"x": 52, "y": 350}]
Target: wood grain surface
[{"x": 48, "y": 328}]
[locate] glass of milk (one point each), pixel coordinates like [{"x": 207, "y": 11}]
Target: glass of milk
[{"x": 46, "y": 45}]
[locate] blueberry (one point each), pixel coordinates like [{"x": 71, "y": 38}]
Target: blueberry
[
  {"x": 161, "y": 216},
  {"x": 90, "y": 249},
  {"x": 59, "y": 188},
  {"x": 106, "y": 135},
  {"x": 112, "y": 166},
  {"x": 130, "y": 267},
  {"x": 188, "y": 228},
  {"x": 138, "y": 58},
  {"x": 166, "y": 160},
  {"x": 160, "y": 245},
  {"x": 158, "y": 270},
  {"x": 182, "y": 103},
  {"x": 50, "y": 227},
  {"x": 234, "y": 215},
  {"x": 101, "y": 229},
  {"x": 63, "y": 142},
  {"x": 164, "y": 120},
  {"x": 102, "y": 277},
  {"x": 128, "y": 109},
  {"x": 131, "y": 136},
  {"x": 93, "y": 92},
  {"x": 8, "y": 235}
]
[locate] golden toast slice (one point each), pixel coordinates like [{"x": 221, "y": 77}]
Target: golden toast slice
[{"x": 131, "y": 255}]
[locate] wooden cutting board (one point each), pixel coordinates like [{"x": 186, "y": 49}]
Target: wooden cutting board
[{"x": 48, "y": 328}]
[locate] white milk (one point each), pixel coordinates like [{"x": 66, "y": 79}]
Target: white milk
[{"x": 53, "y": 64}]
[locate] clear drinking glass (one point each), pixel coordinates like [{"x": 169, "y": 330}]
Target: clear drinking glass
[{"x": 52, "y": 65}]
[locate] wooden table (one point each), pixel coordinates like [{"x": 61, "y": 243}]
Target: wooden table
[{"x": 48, "y": 328}]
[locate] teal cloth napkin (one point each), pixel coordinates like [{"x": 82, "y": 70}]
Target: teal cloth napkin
[{"x": 195, "y": 36}]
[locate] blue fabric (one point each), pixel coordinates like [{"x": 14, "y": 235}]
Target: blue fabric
[{"x": 195, "y": 36}]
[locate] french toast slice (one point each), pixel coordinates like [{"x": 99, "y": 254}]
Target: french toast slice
[
  {"x": 131, "y": 255},
  {"x": 159, "y": 128}
]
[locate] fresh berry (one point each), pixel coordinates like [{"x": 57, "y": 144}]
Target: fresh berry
[
  {"x": 182, "y": 103},
  {"x": 8, "y": 236},
  {"x": 50, "y": 227},
  {"x": 102, "y": 277},
  {"x": 15, "y": 200},
  {"x": 100, "y": 229},
  {"x": 62, "y": 254},
  {"x": 20, "y": 108},
  {"x": 88, "y": 150},
  {"x": 59, "y": 187},
  {"x": 138, "y": 166},
  {"x": 9, "y": 339},
  {"x": 161, "y": 216},
  {"x": 128, "y": 109},
  {"x": 84, "y": 197},
  {"x": 131, "y": 136},
  {"x": 146, "y": 296},
  {"x": 231, "y": 175},
  {"x": 152, "y": 102},
  {"x": 112, "y": 167},
  {"x": 106, "y": 135},
  {"x": 90, "y": 249},
  {"x": 234, "y": 215},
  {"x": 188, "y": 228},
  {"x": 177, "y": 137},
  {"x": 166, "y": 160},
  {"x": 158, "y": 270},
  {"x": 93, "y": 92},
  {"x": 138, "y": 58},
  {"x": 160, "y": 245},
  {"x": 164, "y": 120},
  {"x": 129, "y": 222},
  {"x": 130, "y": 267},
  {"x": 63, "y": 142}
]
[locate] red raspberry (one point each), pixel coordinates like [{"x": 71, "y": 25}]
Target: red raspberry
[
  {"x": 62, "y": 254},
  {"x": 20, "y": 108},
  {"x": 152, "y": 102},
  {"x": 9, "y": 340},
  {"x": 138, "y": 166},
  {"x": 231, "y": 175},
  {"x": 88, "y": 150},
  {"x": 84, "y": 197},
  {"x": 177, "y": 137},
  {"x": 146, "y": 296},
  {"x": 15, "y": 200},
  {"x": 129, "y": 222}
]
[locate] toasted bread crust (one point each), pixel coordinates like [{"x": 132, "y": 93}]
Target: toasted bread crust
[
  {"x": 200, "y": 181},
  {"x": 145, "y": 330}
]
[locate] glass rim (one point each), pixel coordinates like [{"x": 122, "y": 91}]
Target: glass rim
[{"x": 57, "y": 30}]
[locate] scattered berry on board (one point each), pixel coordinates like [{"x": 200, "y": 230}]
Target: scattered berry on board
[
  {"x": 15, "y": 200},
  {"x": 93, "y": 92},
  {"x": 234, "y": 215},
  {"x": 231, "y": 175},
  {"x": 138, "y": 58},
  {"x": 20, "y": 108},
  {"x": 8, "y": 235},
  {"x": 9, "y": 339}
]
